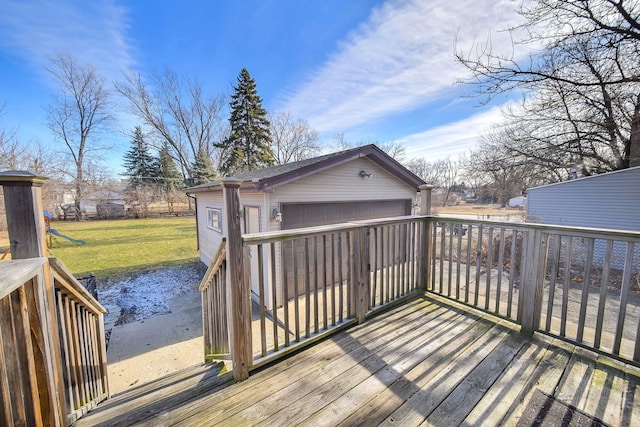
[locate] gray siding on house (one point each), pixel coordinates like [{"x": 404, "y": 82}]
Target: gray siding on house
[{"x": 609, "y": 200}]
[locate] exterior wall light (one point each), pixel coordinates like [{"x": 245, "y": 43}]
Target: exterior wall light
[
  {"x": 276, "y": 215},
  {"x": 365, "y": 175}
]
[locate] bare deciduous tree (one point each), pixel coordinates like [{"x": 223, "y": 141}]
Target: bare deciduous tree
[
  {"x": 441, "y": 174},
  {"x": 583, "y": 87},
  {"x": 394, "y": 149},
  {"x": 179, "y": 113},
  {"x": 77, "y": 114},
  {"x": 293, "y": 139}
]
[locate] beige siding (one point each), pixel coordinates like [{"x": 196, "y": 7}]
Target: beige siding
[
  {"x": 603, "y": 201},
  {"x": 343, "y": 183},
  {"x": 209, "y": 240}
]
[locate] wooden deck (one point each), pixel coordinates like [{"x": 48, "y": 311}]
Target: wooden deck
[{"x": 428, "y": 362}]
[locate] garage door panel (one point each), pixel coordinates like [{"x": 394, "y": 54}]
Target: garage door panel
[{"x": 309, "y": 215}]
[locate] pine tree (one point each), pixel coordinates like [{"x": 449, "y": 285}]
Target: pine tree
[
  {"x": 169, "y": 178},
  {"x": 249, "y": 144},
  {"x": 202, "y": 170},
  {"x": 139, "y": 164}
]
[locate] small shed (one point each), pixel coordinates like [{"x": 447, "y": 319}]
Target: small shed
[
  {"x": 360, "y": 183},
  {"x": 610, "y": 200},
  {"x": 519, "y": 202}
]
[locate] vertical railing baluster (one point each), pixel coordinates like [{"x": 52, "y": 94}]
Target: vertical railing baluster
[
  {"x": 624, "y": 293},
  {"x": 333, "y": 280},
  {"x": 458, "y": 259},
  {"x": 341, "y": 279},
  {"x": 586, "y": 284},
  {"x": 606, "y": 268},
  {"x": 316, "y": 301},
  {"x": 274, "y": 295},
  {"x": 261, "y": 300},
  {"x": 500, "y": 269},
  {"x": 450, "y": 260},
  {"x": 555, "y": 260},
  {"x": 566, "y": 285},
  {"x": 468, "y": 264},
  {"x": 487, "y": 291},
  {"x": 307, "y": 289},
  {"x": 325, "y": 264},
  {"x": 296, "y": 293},
  {"x": 478, "y": 265},
  {"x": 285, "y": 291},
  {"x": 442, "y": 252},
  {"x": 374, "y": 279}
]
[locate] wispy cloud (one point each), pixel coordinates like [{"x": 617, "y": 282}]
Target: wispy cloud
[
  {"x": 452, "y": 139},
  {"x": 401, "y": 58},
  {"x": 93, "y": 32}
]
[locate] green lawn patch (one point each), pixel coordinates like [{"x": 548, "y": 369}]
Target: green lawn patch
[{"x": 125, "y": 246}]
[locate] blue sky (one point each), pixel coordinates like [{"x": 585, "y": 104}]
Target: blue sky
[{"x": 371, "y": 70}]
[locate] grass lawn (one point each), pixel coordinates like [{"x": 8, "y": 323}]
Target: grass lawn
[{"x": 120, "y": 247}]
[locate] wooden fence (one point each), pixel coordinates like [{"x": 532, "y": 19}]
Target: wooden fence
[{"x": 52, "y": 349}]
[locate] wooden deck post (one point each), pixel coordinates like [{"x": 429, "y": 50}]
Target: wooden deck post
[
  {"x": 25, "y": 217},
  {"x": 425, "y": 241},
  {"x": 27, "y": 236},
  {"x": 362, "y": 270},
  {"x": 239, "y": 297},
  {"x": 533, "y": 280}
]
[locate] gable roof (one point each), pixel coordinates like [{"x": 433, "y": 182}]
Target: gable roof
[{"x": 267, "y": 178}]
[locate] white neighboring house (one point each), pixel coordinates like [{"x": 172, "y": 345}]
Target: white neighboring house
[
  {"x": 610, "y": 200},
  {"x": 519, "y": 202}
]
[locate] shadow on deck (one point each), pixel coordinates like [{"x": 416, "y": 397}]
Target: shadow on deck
[{"x": 429, "y": 361}]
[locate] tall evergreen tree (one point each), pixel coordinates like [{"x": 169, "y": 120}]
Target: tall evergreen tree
[
  {"x": 169, "y": 178},
  {"x": 248, "y": 146},
  {"x": 202, "y": 170},
  {"x": 139, "y": 164}
]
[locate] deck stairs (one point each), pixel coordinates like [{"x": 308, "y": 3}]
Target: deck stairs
[{"x": 141, "y": 403}]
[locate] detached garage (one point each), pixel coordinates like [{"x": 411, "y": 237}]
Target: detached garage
[{"x": 360, "y": 183}]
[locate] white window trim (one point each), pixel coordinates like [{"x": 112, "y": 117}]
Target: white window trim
[{"x": 212, "y": 213}]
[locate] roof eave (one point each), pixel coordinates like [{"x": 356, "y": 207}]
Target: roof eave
[
  {"x": 249, "y": 185},
  {"x": 372, "y": 152}
]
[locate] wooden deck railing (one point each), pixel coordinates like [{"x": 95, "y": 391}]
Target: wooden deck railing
[
  {"x": 83, "y": 351},
  {"x": 213, "y": 289},
  {"x": 289, "y": 288},
  {"x": 308, "y": 283},
  {"x": 52, "y": 348},
  {"x": 579, "y": 284}
]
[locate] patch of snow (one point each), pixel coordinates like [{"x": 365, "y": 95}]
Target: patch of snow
[{"x": 141, "y": 296}]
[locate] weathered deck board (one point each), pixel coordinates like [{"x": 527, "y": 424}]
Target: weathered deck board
[
  {"x": 310, "y": 362},
  {"x": 139, "y": 404},
  {"x": 427, "y": 362}
]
